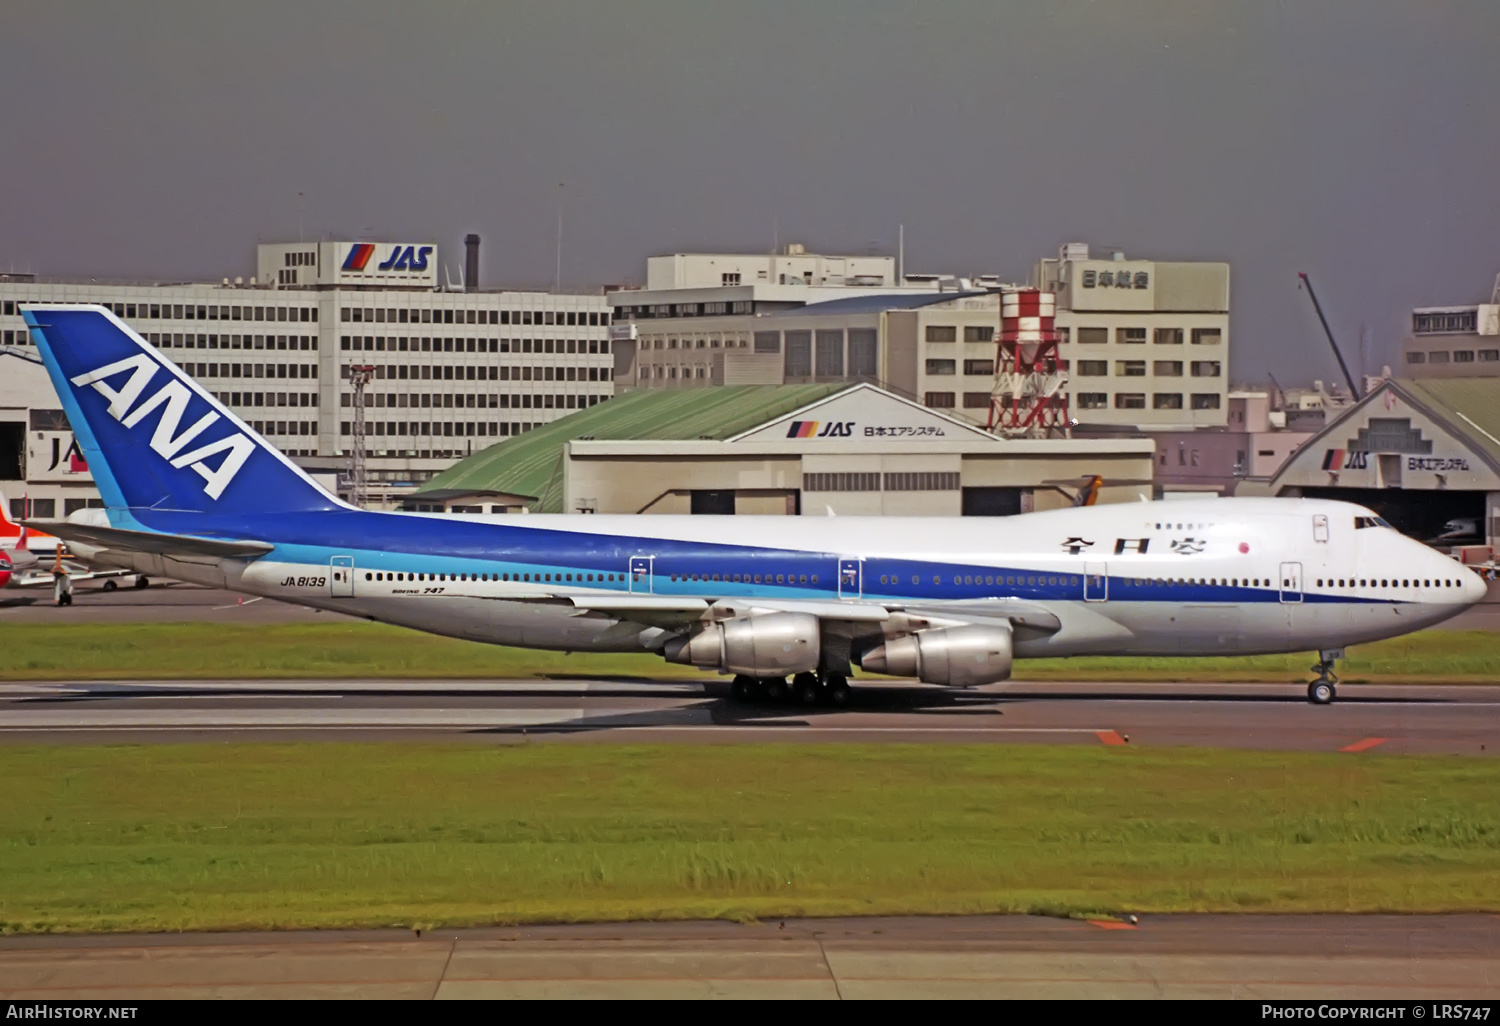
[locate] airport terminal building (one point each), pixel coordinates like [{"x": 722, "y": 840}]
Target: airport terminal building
[{"x": 452, "y": 368}]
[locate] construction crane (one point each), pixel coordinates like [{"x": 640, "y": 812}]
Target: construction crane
[{"x": 1353, "y": 391}]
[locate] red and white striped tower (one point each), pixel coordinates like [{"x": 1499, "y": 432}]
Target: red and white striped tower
[{"x": 1029, "y": 399}]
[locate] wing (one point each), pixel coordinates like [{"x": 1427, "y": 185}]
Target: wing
[{"x": 850, "y": 618}]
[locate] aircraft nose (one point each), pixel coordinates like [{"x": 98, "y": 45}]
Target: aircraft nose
[{"x": 1475, "y": 587}]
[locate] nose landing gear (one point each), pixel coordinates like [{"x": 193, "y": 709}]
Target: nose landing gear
[{"x": 1322, "y": 691}]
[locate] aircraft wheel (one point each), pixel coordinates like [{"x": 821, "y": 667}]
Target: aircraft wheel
[
  {"x": 142, "y": 582},
  {"x": 805, "y": 688},
  {"x": 743, "y": 689},
  {"x": 838, "y": 691},
  {"x": 775, "y": 688},
  {"x": 110, "y": 585},
  {"x": 1321, "y": 692}
]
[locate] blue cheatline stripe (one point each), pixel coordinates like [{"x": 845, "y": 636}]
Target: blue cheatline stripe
[{"x": 672, "y": 577}]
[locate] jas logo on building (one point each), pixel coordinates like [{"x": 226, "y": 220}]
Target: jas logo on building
[
  {"x": 402, "y": 258},
  {"x": 831, "y": 429},
  {"x": 169, "y": 438},
  {"x": 73, "y": 454},
  {"x": 1346, "y": 459}
]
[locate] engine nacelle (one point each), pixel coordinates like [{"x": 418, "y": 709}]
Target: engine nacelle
[
  {"x": 770, "y": 645},
  {"x": 956, "y": 656}
]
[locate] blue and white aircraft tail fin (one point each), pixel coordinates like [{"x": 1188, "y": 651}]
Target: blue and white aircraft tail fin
[{"x": 153, "y": 437}]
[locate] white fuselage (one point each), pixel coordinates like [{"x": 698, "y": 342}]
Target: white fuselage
[{"x": 1209, "y": 577}]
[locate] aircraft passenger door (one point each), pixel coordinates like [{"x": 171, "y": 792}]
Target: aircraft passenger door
[
  {"x": 640, "y": 574},
  {"x": 1096, "y": 582},
  {"x": 341, "y": 576},
  {"x": 851, "y": 578},
  {"x": 1291, "y": 582},
  {"x": 1320, "y": 527}
]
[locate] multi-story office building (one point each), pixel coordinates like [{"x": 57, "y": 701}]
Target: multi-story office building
[
  {"x": 1454, "y": 341},
  {"x": 1147, "y": 342},
  {"x": 451, "y": 369}
]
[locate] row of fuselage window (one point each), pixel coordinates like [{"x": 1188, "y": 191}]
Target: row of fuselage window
[
  {"x": 530, "y": 578},
  {"x": 591, "y": 578},
  {"x": 890, "y": 579},
  {"x": 1390, "y": 582}
]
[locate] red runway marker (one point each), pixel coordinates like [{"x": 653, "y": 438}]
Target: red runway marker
[
  {"x": 1111, "y": 737},
  {"x": 1111, "y": 924},
  {"x": 1365, "y": 745}
]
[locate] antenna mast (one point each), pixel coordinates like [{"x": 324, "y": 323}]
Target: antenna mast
[{"x": 359, "y": 377}]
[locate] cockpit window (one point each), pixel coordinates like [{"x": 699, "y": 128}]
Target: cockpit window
[{"x": 1360, "y": 522}]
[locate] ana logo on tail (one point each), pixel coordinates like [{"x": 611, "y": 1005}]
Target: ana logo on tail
[{"x": 167, "y": 440}]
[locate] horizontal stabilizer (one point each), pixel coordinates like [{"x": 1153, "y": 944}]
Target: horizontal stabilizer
[
  {"x": 637, "y": 603},
  {"x": 149, "y": 541}
]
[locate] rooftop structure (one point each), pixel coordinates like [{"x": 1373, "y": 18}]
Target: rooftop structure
[{"x": 1454, "y": 341}]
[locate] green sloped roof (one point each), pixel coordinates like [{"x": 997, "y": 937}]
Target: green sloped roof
[
  {"x": 1470, "y": 405},
  {"x": 531, "y": 464}
]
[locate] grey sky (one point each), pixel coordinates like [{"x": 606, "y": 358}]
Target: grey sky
[{"x": 1354, "y": 140}]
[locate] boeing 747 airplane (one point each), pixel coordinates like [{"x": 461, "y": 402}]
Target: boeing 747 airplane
[{"x": 192, "y": 492}]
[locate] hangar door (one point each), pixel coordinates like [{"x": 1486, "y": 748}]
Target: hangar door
[{"x": 992, "y": 502}]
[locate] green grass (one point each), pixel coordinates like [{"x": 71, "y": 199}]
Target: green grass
[
  {"x": 93, "y": 651},
  {"x": 189, "y": 837}
]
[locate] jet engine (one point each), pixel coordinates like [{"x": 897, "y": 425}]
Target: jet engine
[
  {"x": 957, "y": 656},
  {"x": 770, "y": 645}
]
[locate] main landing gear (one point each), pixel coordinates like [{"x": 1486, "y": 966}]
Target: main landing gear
[
  {"x": 806, "y": 689},
  {"x": 1322, "y": 691}
]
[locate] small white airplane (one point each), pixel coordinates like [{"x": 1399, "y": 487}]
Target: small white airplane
[
  {"x": 192, "y": 492},
  {"x": 33, "y": 559}
]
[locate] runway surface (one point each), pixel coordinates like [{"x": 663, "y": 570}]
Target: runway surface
[
  {"x": 1417, "y": 719},
  {"x": 162, "y": 602},
  {"x": 1446, "y": 958}
]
